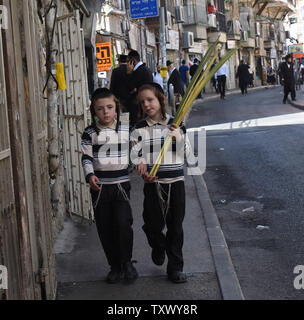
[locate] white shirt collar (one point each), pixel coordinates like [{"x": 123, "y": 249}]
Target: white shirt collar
[
  {"x": 151, "y": 122},
  {"x": 138, "y": 65}
]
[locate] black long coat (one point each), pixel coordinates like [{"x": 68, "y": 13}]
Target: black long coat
[
  {"x": 176, "y": 80},
  {"x": 287, "y": 74},
  {"x": 243, "y": 74},
  {"x": 119, "y": 81}
]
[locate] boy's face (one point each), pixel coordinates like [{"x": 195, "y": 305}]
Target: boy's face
[
  {"x": 149, "y": 103},
  {"x": 105, "y": 110}
]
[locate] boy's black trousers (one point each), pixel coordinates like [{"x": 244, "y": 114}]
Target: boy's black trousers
[
  {"x": 114, "y": 221},
  {"x": 154, "y": 222}
]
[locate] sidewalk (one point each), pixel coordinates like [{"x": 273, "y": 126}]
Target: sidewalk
[
  {"x": 299, "y": 103},
  {"x": 82, "y": 267}
]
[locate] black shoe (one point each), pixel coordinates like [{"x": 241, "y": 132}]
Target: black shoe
[
  {"x": 130, "y": 272},
  {"x": 284, "y": 101},
  {"x": 294, "y": 99},
  {"x": 158, "y": 256},
  {"x": 114, "y": 275},
  {"x": 177, "y": 277}
]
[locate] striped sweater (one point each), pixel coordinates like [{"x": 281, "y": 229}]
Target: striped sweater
[
  {"x": 147, "y": 139},
  {"x": 106, "y": 154}
]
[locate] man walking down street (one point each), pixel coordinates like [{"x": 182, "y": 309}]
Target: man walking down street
[
  {"x": 175, "y": 79},
  {"x": 157, "y": 76},
  {"x": 243, "y": 75},
  {"x": 140, "y": 75},
  {"x": 192, "y": 71},
  {"x": 288, "y": 79},
  {"x": 119, "y": 77},
  {"x": 184, "y": 72},
  {"x": 221, "y": 76}
]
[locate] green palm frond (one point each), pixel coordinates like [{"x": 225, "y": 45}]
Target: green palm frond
[{"x": 198, "y": 82}]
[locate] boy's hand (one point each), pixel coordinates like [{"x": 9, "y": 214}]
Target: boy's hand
[
  {"x": 94, "y": 183},
  {"x": 174, "y": 132},
  {"x": 149, "y": 178},
  {"x": 141, "y": 168}
]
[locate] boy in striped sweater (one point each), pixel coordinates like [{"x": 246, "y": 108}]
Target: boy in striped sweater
[
  {"x": 105, "y": 146},
  {"x": 164, "y": 195}
]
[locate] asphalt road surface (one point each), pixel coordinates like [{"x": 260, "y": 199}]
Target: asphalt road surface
[{"x": 255, "y": 177}]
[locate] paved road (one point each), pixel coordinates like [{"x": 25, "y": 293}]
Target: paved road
[{"x": 255, "y": 176}]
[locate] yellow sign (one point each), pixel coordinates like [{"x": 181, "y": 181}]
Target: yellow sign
[
  {"x": 164, "y": 72},
  {"x": 60, "y": 76},
  {"x": 103, "y": 56}
]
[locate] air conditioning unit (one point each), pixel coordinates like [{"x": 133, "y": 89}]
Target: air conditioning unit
[
  {"x": 187, "y": 39},
  {"x": 179, "y": 14},
  {"x": 244, "y": 35},
  {"x": 169, "y": 20},
  {"x": 257, "y": 29},
  {"x": 257, "y": 42},
  {"x": 211, "y": 20}
]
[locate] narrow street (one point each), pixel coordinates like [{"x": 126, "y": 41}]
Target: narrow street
[{"x": 255, "y": 177}]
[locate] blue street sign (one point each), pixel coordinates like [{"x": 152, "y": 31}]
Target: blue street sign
[{"x": 143, "y": 9}]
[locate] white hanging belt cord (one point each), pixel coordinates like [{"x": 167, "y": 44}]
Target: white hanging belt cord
[
  {"x": 95, "y": 204},
  {"x": 120, "y": 188},
  {"x": 164, "y": 206}
]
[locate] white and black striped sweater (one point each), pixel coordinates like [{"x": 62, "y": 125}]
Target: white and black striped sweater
[
  {"x": 146, "y": 143},
  {"x": 106, "y": 154}
]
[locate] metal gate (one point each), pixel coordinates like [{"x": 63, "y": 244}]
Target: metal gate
[{"x": 74, "y": 114}]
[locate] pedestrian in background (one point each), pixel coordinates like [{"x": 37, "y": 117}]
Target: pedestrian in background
[
  {"x": 184, "y": 72},
  {"x": 140, "y": 75},
  {"x": 164, "y": 195},
  {"x": 288, "y": 78},
  {"x": 157, "y": 76},
  {"x": 175, "y": 79},
  {"x": 192, "y": 71},
  {"x": 221, "y": 76},
  {"x": 110, "y": 186},
  {"x": 243, "y": 75},
  {"x": 119, "y": 77}
]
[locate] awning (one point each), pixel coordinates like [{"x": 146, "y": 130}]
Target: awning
[{"x": 274, "y": 9}]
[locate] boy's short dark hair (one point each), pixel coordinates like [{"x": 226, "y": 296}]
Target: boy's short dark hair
[
  {"x": 195, "y": 60},
  {"x": 184, "y": 61},
  {"x": 133, "y": 54},
  {"x": 101, "y": 93}
]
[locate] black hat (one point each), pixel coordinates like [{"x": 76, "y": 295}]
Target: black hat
[
  {"x": 98, "y": 91},
  {"x": 155, "y": 85},
  {"x": 288, "y": 56},
  {"x": 169, "y": 63}
]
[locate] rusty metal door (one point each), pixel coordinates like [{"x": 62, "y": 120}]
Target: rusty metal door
[{"x": 74, "y": 114}]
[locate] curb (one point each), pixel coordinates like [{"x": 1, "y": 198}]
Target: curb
[
  {"x": 296, "y": 104},
  {"x": 227, "y": 277}
]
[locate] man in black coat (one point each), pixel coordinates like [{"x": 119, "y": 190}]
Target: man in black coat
[
  {"x": 175, "y": 78},
  {"x": 243, "y": 75},
  {"x": 140, "y": 75},
  {"x": 288, "y": 78},
  {"x": 118, "y": 80}
]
